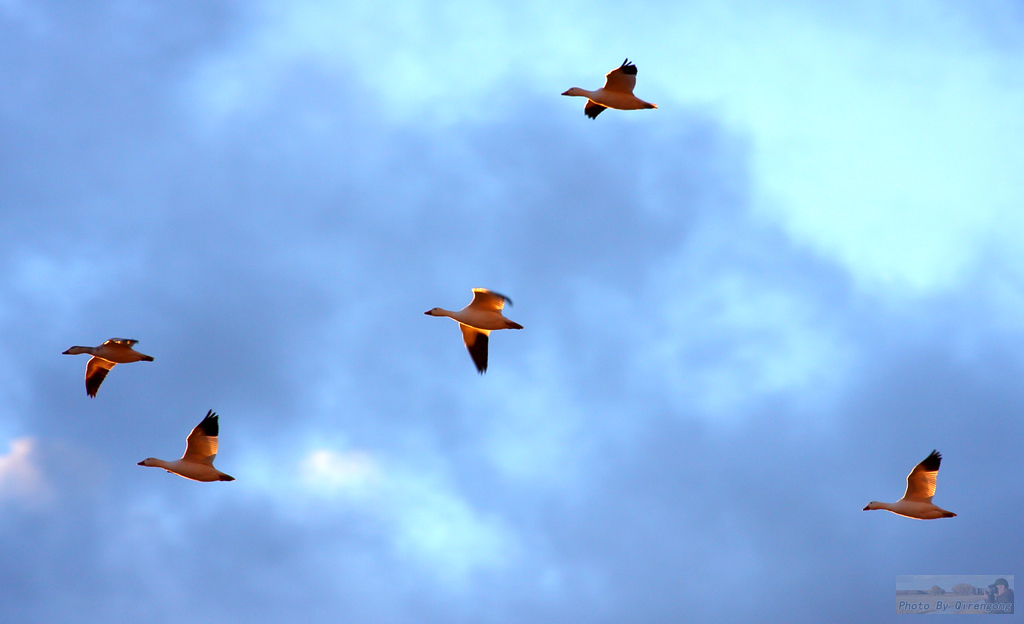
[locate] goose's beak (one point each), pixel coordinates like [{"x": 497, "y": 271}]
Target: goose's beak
[
  {"x": 866, "y": 508},
  {"x": 142, "y": 463},
  {"x": 566, "y": 93},
  {"x": 427, "y": 312}
]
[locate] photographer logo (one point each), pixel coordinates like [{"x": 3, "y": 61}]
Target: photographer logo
[{"x": 947, "y": 594}]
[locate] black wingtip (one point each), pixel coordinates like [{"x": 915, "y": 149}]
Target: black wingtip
[
  {"x": 211, "y": 424},
  {"x": 592, "y": 110},
  {"x": 628, "y": 67},
  {"x": 931, "y": 463},
  {"x": 478, "y": 351},
  {"x": 92, "y": 383}
]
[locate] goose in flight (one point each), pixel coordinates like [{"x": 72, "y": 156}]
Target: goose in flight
[
  {"x": 478, "y": 320},
  {"x": 104, "y": 357},
  {"x": 617, "y": 92},
  {"x": 917, "y": 502},
  {"x": 200, "y": 449}
]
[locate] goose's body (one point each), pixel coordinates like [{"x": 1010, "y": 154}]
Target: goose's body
[
  {"x": 104, "y": 357},
  {"x": 200, "y": 450},
  {"x": 616, "y": 93},
  {"x": 477, "y": 321},
  {"x": 917, "y": 501}
]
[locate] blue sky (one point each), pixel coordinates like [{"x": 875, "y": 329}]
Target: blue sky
[{"x": 747, "y": 313}]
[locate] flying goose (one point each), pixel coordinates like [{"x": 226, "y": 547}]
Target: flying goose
[
  {"x": 917, "y": 502},
  {"x": 104, "y": 357},
  {"x": 200, "y": 449},
  {"x": 478, "y": 320},
  {"x": 617, "y": 92}
]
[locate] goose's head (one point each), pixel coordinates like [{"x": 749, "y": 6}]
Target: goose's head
[
  {"x": 435, "y": 312},
  {"x": 575, "y": 91},
  {"x": 77, "y": 350},
  {"x": 149, "y": 461},
  {"x": 872, "y": 505}
]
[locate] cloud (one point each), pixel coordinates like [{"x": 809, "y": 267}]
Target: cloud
[
  {"x": 331, "y": 472},
  {"x": 709, "y": 388},
  {"x": 424, "y": 517},
  {"x": 21, "y": 478},
  {"x": 886, "y": 142}
]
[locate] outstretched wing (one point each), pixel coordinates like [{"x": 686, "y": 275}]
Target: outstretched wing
[
  {"x": 622, "y": 79},
  {"x": 921, "y": 480},
  {"x": 201, "y": 446},
  {"x": 476, "y": 341},
  {"x": 95, "y": 372},
  {"x": 593, "y": 109},
  {"x": 484, "y": 299}
]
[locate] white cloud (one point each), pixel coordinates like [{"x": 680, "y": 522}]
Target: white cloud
[
  {"x": 444, "y": 530},
  {"x": 424, "y": 516},
  {"x": 21, "y": 479},
  {"x": 888, "y": 141},
  {"x": 389, "y": 58},
  {"x": 331, "y": 473}
]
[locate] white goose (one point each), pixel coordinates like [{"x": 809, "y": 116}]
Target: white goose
[
  {"x": 200, "y": 450},
  {"x": 917, "y": 502},
  {"x": 617, "y": 92},
  {"x": 104, "y": 357},
  {"x": 477, "y": 321}
]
